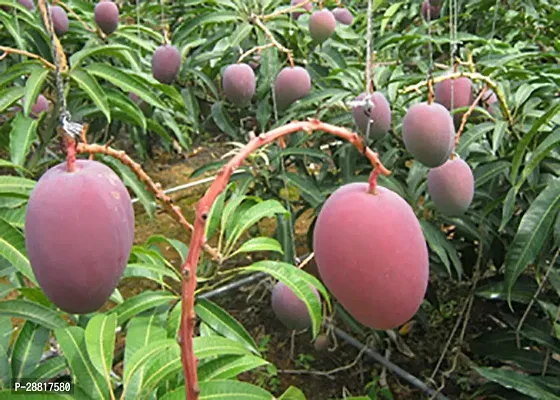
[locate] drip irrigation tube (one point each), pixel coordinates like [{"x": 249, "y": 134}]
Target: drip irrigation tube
[{"x": 414, "y": 381}]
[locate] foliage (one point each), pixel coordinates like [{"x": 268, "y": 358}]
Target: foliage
[{"x": 504, "y": 246}]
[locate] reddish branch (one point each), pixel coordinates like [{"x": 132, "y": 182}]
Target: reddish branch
[
  {"x": 155, "y": 188},
  {"x": 188, "y": 319},
  {"x": 467, "y": 115}
]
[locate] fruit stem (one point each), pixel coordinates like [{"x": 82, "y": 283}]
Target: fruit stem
[
  {"x": 73, "y": 13},
  {"x": 430, "y": 89},
  {"x": 286, "y": 10},
  {"x": 203, "y": 210},
  {"x": 70, "y": 153},
  {"x": 373, "y": 181},
  {"x": 466, "y": 116}
]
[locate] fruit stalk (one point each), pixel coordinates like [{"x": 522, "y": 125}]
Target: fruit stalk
[
  {"x": 70, "y": 153},
  {"x": 188, "y": 319},
  {"x": 153, "y": 187},
  {"x": 74, "y": 14}
]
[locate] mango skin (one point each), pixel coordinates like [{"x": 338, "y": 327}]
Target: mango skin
[
  {"x": 435, "y": 11},
  {"x": 107, "y": 16},
  {"x": 343, "y": 15},
  {"x": 462, "y": 95},
  {"x": 451, "y": 187},
  {"x": 322, "y": 24},
  {"x": 79, "y": 230},
  {"x": 292, "y": 84},
  {"x": 41, "y": 105},
  {"x": 60, "y": 20},
  {"x": 306, "y": 7},
  {"x": 380, "y": 116},
  {"x": 372, "y": 255},
  {"x": 239, "y": 84},
  {"x": 428, "y": 133},
  {"x": 166, "y": 63}
]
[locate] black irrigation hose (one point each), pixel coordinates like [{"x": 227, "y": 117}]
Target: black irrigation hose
[
  {"x": 231, "y": 286},
  {"x": 414, "y": 381}
]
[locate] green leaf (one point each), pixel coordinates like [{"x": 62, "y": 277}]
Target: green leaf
[
  {"x": 220, "y": 321},
  {"x": 212, "y": 346},
  {"x": 507, "y": 211},
  {"x": 523, "y": 144},
  {"x": 90, "y": 85},
  {"x": 73, "y": 344},
  {"x": 442, "y": 247},
  {"x": 126, "y": 81},
  {"x": 12, "y": 248},
  {"x": 223, "y": 120},
  {"x": 146, "y": 197},
  {"x": 143, "y": 355},
  {"x": 142, "y": 330},
  {"x": 100, "y": 342},
  {"x": 150, "y": 271},
  {"x": 8, "y": 395},
  {"x": 161, "y": 368},
  {"x": 23, "y": 134},
  {"x": 141, "y": 302},
  {"x": 293, "y": 393},
  {"x": 16, "y": 186},
  {"x": 104, "y": 49},
  {"x": 9, "y": 96},
  {"x": 228, "y": 367},
  {"x": 267, "y": 208},
  {"x": 299, "y": 282},
  {"x": 33, "y": 87},
  {"x": 259, "y": 244},
  {"x": 180, "y": 247},
  {"x": 28, "y": 349},
  {"x": 5, "y": 370},
  {"x": 486, "y": 172},
  {"x": 32, "y": 312},
  {"x": 223, "y": 390},
  {"x": 309, "y": 190},
  {"x": 533, "y": 231},
  {"x": 544, "y": 148},
  {"x": 525, "y": 384},
  {"x": 48, "y": 369},
  {"x": 132, "y": 111}
]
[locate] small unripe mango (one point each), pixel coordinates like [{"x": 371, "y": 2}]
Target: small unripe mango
[
  {"x": 60, "y": 20},
  {"x": 428, "y": 133},
  {"x": 41, "y": 105},
  {"x": 434, "y": 11},
  {"x": 322, "y": 343},
  {"x": 451, "y": 187},
  {"x": 343, "y": 15},
  {"x": 166, "y": 63},
  {"x": 107, "y": 16},
  {"x": 462, "y": 95},
  {"x": 307, "y": 7},
  {"x": 289, "y": 308},
  {"x": 321, "y": 25},
  {"x": 239, "y": 84},
  {"x": 379, "y": 115},
  {"x": 292, "y": 84}
]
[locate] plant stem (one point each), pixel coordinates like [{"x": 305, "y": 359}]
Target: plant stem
[
  {"x": 188, "y": 319},
  {"x": 467, "y": 115},
  {"x": 255, "y": 19},
  {"x": 286, "y": 10}
]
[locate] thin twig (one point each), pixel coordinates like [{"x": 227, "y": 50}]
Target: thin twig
[
  {"x": 8, "y": 50},
  {"x": 155, "y": 188},
  {"x": 255, "y": 19},
  {"x": 467, "y": 115},
  {"x": 285, "y": 10},
  {"x": 256, "y": 49}
]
